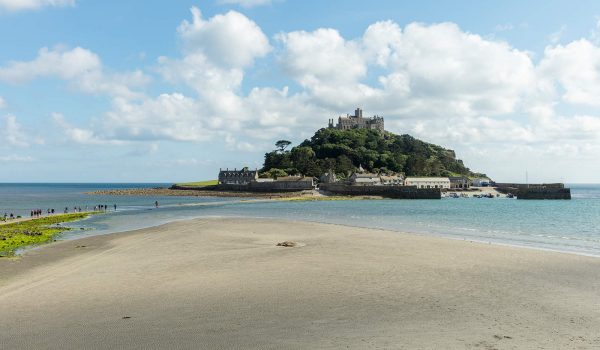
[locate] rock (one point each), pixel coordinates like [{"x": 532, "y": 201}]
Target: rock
[{"x": 286, "y": 244}]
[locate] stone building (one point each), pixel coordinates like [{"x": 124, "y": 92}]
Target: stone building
[
  {"x": 328, "y": 177},
  {"x": 364, "y": 179},
  {"x": 237, "y": 177},
  {"x": 459, "y": 182},
  {"x": 357, "y": 121}
]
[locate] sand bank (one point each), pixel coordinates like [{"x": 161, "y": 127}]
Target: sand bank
[{"x": 219, "y": 284}]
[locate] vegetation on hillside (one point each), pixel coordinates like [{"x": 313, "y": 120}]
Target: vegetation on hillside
[
  {"x": 35, "y": 231},
  {"x": 345, "y": 150}
]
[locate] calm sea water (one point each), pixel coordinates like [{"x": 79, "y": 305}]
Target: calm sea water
[{"x": 572, "y": 226}]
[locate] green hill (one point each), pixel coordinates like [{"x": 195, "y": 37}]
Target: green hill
[{"x": 345, "y": 150}]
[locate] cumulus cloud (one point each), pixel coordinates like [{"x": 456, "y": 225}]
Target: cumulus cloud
[
  {"x": 428, "y": 66},
  {"x": 19, "y": 5},
  {"x": 80, "y": 66},
  {"x": 215, "y": 54},
  {"x": 575, "y": 67},
  {"x": 80, "y": 135},
  {"x": 231, "y": 40}
]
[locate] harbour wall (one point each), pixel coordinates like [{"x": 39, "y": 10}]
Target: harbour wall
[
  {"x": 544, "y": 193},
  {"x": 535, "y": 191},
  {"x": 398, "y": 192}
]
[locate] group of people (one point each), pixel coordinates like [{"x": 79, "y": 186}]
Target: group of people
[
  {"x": 103, "y": 207},
  {"x": 36, "y": 213}
]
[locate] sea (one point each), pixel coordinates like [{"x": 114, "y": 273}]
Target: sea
[{"x": 560, "y": 225}]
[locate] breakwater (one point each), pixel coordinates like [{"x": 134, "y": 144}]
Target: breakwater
[
  {"x": 536, "y": 191},
  {"x": 544, "y": 193},
  {"x": 397, "y": 192}
]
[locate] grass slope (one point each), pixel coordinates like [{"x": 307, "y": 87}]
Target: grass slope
[{"x": 199, "y": 183}]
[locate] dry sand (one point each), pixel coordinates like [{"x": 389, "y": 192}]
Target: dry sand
[{"x": 216, "y": 284}]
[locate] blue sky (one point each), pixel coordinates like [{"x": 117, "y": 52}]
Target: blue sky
[{"x": 118, "y": 91}]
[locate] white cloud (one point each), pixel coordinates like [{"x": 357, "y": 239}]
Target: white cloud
[
  {"x": 79, "y": 66},
  {"x": 246, "y": 3},
  {"x": 18, "y": 5},
  {"x": 575, "y": 67},
  {"x": 80, "y": 135},
  {"x": 12, "y": 132},
  {"x": 322, "y": 56},
  {"x": 2, "y": 103},
  {"x": 231, "y": 40},
  {"x": 426, "y": 69},
  {"x": 169, "y": 116}
]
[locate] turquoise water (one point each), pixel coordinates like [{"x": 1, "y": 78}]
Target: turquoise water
[{"x": 572, "y": 226}]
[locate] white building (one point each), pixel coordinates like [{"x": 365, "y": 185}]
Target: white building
[{"x": 428, "y": 182}]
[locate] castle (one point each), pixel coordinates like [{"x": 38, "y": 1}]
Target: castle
[{"x": 357, "y": 121}]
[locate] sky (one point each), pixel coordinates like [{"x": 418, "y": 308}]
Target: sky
[{"x": 171, "y": 91}]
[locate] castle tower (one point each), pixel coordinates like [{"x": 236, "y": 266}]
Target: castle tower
[{"x": 358, "y": 113}]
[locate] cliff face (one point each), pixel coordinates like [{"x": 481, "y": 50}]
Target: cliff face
[{"x": 346, "y": 150}]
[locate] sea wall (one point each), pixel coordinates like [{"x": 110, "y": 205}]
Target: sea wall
[
  {"x": 544, "y": 193},
  {"x": 398, "y": 192},
  {"x": 530, "y": 186}
]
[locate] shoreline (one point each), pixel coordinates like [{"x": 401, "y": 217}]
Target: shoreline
[
  {"x": 225, "y": 284},
  {"x": 454, "y": 237}
]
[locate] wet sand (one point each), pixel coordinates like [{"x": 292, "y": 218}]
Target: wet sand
[{"x": 220, "y": 284}]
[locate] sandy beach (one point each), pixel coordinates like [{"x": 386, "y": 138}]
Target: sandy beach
[{"x": 221, "y": 284}]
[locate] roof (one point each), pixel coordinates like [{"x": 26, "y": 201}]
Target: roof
[
  {"x": 236, "y": 171},
  {"x": 366, "y": 180},
  {"x": 365, "y": 175},
  {"x": 294, "y": 178},
  {"x": 430, "y": 179}
]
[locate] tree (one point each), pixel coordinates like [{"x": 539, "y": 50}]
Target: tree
[
  {"x": 274, "y": 173},
  {"x": 303, "y": 158},
  {"x": 282, "y": 145}
]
